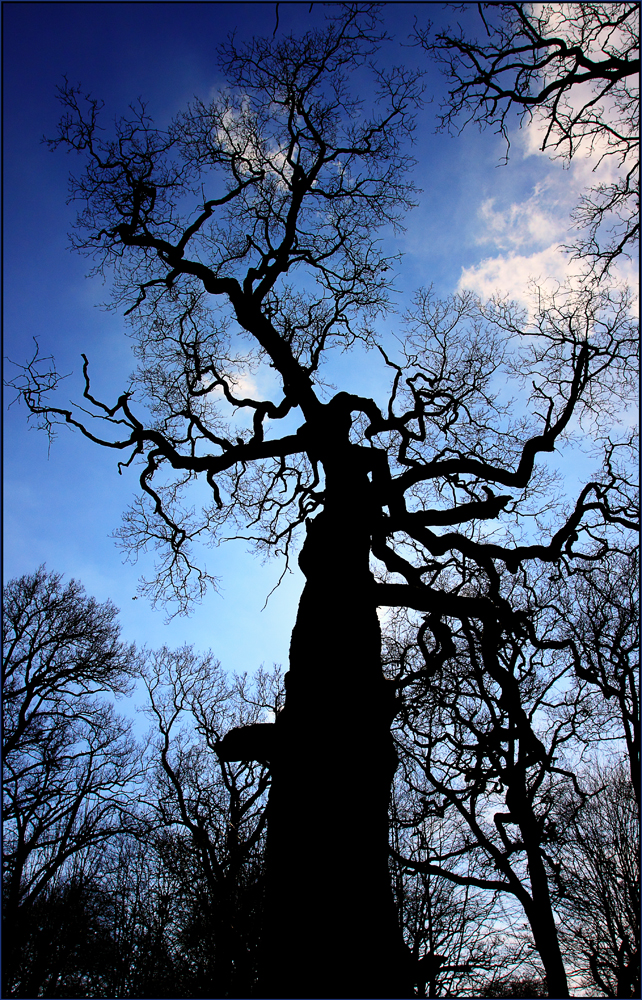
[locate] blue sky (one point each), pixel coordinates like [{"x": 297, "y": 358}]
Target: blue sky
[{"x": 477, "y": 225}]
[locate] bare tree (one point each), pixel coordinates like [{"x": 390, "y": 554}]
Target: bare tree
[
  {"x": 58, "y": 646},
  {"x": 517, "y": 986},
  {"x": 598, "y": 882},
  {"x": 450, "y": 929},
  {"x": 63, "y": 950},
  {"x": 489, "y": 737},
  {"x": 574, "y": 67},
  {"x": 602, "y": 616},
  {"x": 112, "y": 926},
  {"x": 273, "y": 267},
  {"x": 221, "y": 805},
  {"x": 70, "y": 764}
]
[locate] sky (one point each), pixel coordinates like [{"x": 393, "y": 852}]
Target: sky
[{"x": 478, "y": 225}]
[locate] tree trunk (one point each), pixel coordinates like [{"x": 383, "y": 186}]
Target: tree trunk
[
  {"x": 539, "y": 909},
  {"x": 331, "y": 928},
  {"x": 542, "y": 921}
]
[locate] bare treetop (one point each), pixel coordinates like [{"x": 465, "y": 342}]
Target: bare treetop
[{"x": 281, "y": 171}]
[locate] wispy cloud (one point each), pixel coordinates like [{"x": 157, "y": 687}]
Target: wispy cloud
[
  {"x": 512, "y": 274},
  {"x": 529, "y": 234},
  {"x": 530, "y": 222}
]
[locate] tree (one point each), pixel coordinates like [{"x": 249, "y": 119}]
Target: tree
[
  {"x": 451, "y": 930},
  {"x": 58, "y": 646},
  {"x": 488, "y": 738},
  {"x": 208, "y": 799},
  {"x": 63, "y": 948},
  {"x": 574, "y": 67},
  {"x": 136, "y": 905},
  {"x": 126, "y": 873},
  {"x": 598, "y": 882},
  {"x": 517, "y": 987},
  {"x": 602, "y": 616},
  {"x": 69, "y": 761},
  {"x": 281, "y": 255},
  {"x": 497, "y": 734},
  {"x": 107, "y": 928}
]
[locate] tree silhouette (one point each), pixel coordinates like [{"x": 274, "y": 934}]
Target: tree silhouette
[
  {"x": 269, "y": 270},
  {"x": 220, "y": 805},
  {"x": 69, "y": 765},
  {"x": 451, "y": 930},
  {"x": 127, "y": 870},
  {"x": 517, "y": 987},
  {"x": 496, "y": 732},
  {"x": 598, "y": 882},
  {"x": 498, "y": 769},
  {"x": 602, "y": 615}
]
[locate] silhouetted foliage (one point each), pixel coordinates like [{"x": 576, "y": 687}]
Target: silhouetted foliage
[
  {"x": 524, "y": 987},
  {"x": 62, "y": 949}
]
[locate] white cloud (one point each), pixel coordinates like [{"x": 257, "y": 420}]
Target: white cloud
[
  {"x": 545, "y": 216},
  {"x": 242, "y": 384},
  {"x": 526, "y": 223},
  {"x": 515, "y": 274},
  {"x": 512, "y": 274},
  {"x": 539, "y": 225},
  {"x": 237, "y": 134},
  {"x": 245, "y": 385},
  {"x": 591, "y": 164}
]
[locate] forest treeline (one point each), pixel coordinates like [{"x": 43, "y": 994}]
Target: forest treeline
[{"x": 134, "y": 863}]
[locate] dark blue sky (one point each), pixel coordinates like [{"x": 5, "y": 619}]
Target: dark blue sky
[{"x": 476, "y": 223}]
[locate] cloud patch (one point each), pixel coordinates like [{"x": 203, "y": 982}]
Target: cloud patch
[
  {"x": 513, "y": 274},
  {"x": 530, "y": 233},
  {"x": 521, "y": 224}
]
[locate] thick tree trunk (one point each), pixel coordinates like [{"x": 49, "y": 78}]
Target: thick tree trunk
[
  {"x": 542, "y": 920},
  {"x": 539, "y": 908},
  {"x": 331, "y": 927}
]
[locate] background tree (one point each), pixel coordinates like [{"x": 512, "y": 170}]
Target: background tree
[
  {"x": 451, "y": 930},
  {"x": 575, "y": 69},
  {"x": 127, "y": 871},
  {"x": 274, "y": 266},
  {"x": 69, "y": 761},
  {"x": 212, "y": 808},
  {"x": 63, "y": 949},
  {"x": 488, "y": 742},
  {"x": 500, "y": 736},
  {"x": 518, "y": 986},
  {"x": 140, "y": 904},
  {"x": 598, "y": 882},
  {"x": 58, "y": 645},
  {"x": 602, "y": 614}
]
